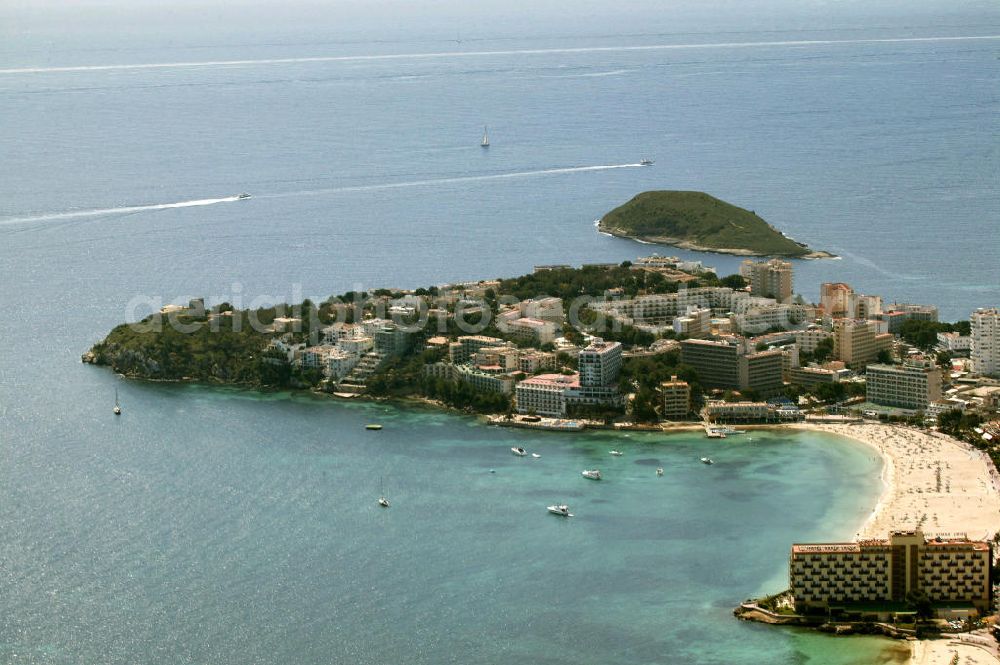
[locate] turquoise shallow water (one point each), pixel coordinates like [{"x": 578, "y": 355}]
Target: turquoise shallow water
[
  {"x": 219, "y": 526},
  {"x": 214, "y": 526}
]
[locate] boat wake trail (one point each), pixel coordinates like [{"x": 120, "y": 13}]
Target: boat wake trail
[
  {"x": 122, "y": 210},
  {"x": 446, "y": 181},
  {"x": 472, "y": 54},
  {"x": 127, "y": 210}
]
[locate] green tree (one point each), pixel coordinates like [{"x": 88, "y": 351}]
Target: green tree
[
  {"x": 823, "y": 350},
  {"x": 733, "y": 281}
]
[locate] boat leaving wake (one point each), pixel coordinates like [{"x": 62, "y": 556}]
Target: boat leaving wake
[
  {"x": 446, "y": 181},
  {"x": 122, "y": 210},
  {"x": 125, "y": 210}
]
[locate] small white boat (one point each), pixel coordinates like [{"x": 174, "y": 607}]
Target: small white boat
[
  {"x": 593, "y": 474},
  {"x": 659, "y": 470},
  {"x": 645, "y": 162},
  {"x": 485, "y": 143},
  {"x": 244, "y": 195},
  {"x": 562, "y": 510},
  {"x": 707, "y": 460},
  {"x": 715, "y": 434},
  {"x": 535, "y": 455},
  {"x": 374, "y": 427},
  {"x": 616, "y": 453},
  {"x": 382, "y": 500},
  {"x": 118, "y": 409},
  {"x": 517, "y": 450}
]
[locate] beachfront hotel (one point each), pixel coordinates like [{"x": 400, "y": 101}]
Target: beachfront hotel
[
  {"x": 874, "y": 577},
  {"x": 912, "y": 385}
]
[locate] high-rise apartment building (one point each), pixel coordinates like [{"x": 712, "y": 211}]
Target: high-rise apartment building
[
  {"x": 769, "y": 279},
  {"x": 984, "y": 347},
  {"x": 676, "y": 399},
  {"x": 600, "y": 363},
  {"x": 857, "y": 342}
]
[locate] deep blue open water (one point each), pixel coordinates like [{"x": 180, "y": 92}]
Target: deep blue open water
[{"x": 213, "y": 526}]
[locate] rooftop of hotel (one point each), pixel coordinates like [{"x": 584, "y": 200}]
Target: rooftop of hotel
[
  {"x": 553, "y": 380},
  {"x": 527, "y": 321},
  {"x": 601, "y": 345},
  {"x": 939, "y": 540}
]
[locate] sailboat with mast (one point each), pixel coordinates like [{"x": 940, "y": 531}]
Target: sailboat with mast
[
  {"x": 118, "y": 408},
  {"x": 486, "y": 138},
  {"x": 382, "y": 500}
]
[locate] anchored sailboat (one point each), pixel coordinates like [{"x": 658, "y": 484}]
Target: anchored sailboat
[
  {"x": 486, "y": 138},
  {"x": 118, "y": 408}
]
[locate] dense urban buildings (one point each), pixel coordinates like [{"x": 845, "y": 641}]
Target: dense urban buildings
[{"x": 594, "y": 384}]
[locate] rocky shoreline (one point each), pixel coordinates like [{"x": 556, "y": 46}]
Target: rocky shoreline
[{"x": 681, "y": 243}]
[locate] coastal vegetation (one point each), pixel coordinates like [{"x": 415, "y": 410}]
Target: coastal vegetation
[{"x": 698, "y": 221}]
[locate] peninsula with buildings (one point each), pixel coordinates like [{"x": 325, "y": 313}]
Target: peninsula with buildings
[
  {"x": 664, "y": 344},
  {"x": 698, "y": 221}
]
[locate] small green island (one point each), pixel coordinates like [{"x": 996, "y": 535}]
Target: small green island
[{"x": 700, "y": 222}]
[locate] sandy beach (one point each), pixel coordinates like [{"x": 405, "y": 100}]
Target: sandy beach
[
  {"x": 970, "y": 649},
  {"x": 932, "y": 481},
  {"x": 941, "y": 485}
]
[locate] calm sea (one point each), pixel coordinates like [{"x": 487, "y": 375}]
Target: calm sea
[{"x": 209, "y": 526}]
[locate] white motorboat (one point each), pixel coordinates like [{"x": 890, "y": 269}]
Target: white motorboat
[
  {"x": 562, "y": 510},
  {"x": 645, "y": 162},
  {"x": 535, "y": 455},
  {"x": 593, "y": 474},
  {"x": 384, "y": 502},
  {"x": 616, "y": 453},
  {"x": 517, "y": 450},
  {"x": 707, "y": 460},
  {"x": 244, "y": 195},
  {"x": 659, "y": 470}
]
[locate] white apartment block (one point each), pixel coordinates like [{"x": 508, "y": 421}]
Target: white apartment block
[
  {"x": 736, "y": 411},
  {"x": 984, "y": 346},
  {"x": 531, "y": 361},
  {"x": 545, "y": 395},
  {"x": 600, "y": 363},
  {"x": 952, "y": 342},
  {"x": 529, "y": 330},
  {"x": 810, "y": 338},
  {"x": 544, "y": 309}
]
